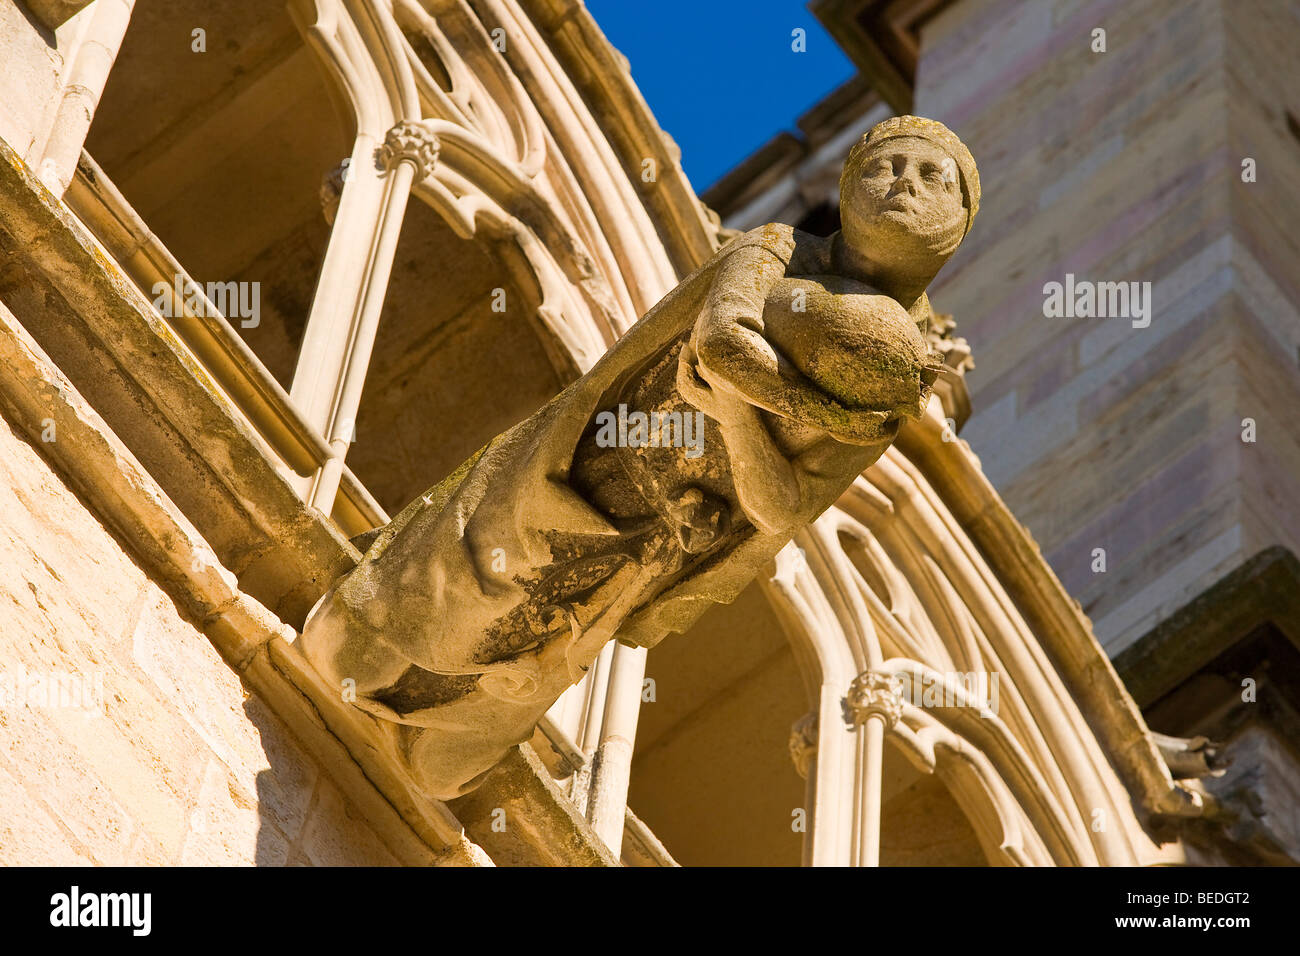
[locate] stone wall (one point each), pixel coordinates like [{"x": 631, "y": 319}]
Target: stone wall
[
  {"x": 151, "y": 752},
  {"x": 1126, "y": 166}
]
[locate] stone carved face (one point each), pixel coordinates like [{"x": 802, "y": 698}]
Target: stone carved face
[{"x": 904, "y": 202}]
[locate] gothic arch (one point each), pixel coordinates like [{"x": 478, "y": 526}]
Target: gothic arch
[
  {"x": 887, "y": 599},
  {"x": 440, "y": 112}
]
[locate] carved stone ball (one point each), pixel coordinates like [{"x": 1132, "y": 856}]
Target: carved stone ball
[{"x": 858, "y": 346}]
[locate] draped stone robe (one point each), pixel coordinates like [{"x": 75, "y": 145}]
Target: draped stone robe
[{"x": 483, "y": 600}]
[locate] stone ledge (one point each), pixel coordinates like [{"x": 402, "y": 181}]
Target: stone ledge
[
  {"x": 102, "y": 333},
  {"x": 119, "y": 491},
  {"x": 1263, "y": 590}
]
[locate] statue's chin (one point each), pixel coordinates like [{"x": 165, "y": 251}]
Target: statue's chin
[
  {"x": 899, "y": 236},
  {"x": 908, "y": 239}
]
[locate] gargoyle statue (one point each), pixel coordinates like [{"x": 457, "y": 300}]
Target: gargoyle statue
[{"x": 731, "y": 415}]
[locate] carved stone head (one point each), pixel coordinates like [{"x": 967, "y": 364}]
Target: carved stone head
[{"x": 908, "y": 193}]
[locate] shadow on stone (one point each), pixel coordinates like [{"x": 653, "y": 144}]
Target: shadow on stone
[{"x": 284, "y": 792}]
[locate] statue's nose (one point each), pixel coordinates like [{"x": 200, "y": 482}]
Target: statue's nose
[{"x": 903, "y": 182}]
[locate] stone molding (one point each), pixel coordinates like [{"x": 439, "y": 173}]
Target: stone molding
[
  {"x": 875, "y": 591},
  {"x": 1058, "y": 623}
]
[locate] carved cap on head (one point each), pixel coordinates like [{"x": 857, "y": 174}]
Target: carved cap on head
[{"x": 932, "y": 130}]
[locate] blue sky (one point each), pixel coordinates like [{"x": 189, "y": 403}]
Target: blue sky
[{"x": 720, "y": 75}]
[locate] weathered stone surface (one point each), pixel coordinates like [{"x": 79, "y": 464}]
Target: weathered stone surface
[
  {"x": 34, "y": 72},
  {"x": 521, "y": 818},
  {"x": 174, "y": 763},
  {"x": 337, "y": 836},
  {"x": 482, "y": 601},
  {"x": 33, "y": 834}
]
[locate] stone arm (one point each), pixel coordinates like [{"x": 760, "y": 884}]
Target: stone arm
[
  {"x": 767, "y": 484},
  {"x": 729, "y": 344},
  {"x": 778, "y": 494}
]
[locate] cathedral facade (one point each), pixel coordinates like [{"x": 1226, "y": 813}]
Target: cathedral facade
[{"x": 272, "y": 272}]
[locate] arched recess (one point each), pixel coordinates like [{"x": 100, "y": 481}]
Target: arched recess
[
  {"x": 896, "y": 618},
  {"x": 438, "y": 112},
  {"x": 425, "y": 78},
  {"x": 454, "y": 364},
  {"x": 500, "y": 179},
  {"x": 711, "y": 774},
  {"x": 216, "y": 126}
]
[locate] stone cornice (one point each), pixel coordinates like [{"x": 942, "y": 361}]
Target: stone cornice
[
  {"x": 882, "y": 40},
  {"x": 1263, "y": 590}
]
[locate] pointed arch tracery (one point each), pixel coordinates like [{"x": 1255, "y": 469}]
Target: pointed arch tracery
[
  {"x": 492, "y": 168},
  {"x": 886, "y": 599}
]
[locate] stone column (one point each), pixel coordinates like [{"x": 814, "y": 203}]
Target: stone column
[
  {"x": 345, "y": 313},
  {"x": 874, "y": 704},
  {"x": 612, "y": 767},
  {"x": 92, "y": 58}
]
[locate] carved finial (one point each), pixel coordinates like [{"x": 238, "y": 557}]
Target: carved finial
[
  {"x": 954, "y": 349},
  {"x": 872, "y": 693},
  {"x": 803, "y": 743},
  {"x": 413, "y": 143}
]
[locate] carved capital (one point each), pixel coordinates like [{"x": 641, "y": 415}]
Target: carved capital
[
  {"x": 413, "y": 143},
  {"x": 872, "y": 693},
  {"x": 803, "y": 743}
]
